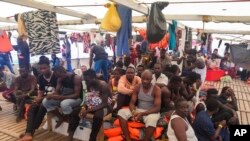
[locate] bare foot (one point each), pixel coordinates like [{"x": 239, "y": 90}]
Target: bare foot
[
  {"x": 21, "y": 135},
  {"x": 59, "y": 122},
  {"x": 26, "y": 138}
]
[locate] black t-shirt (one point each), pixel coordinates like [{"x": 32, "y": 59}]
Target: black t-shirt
[
  {"x": 100, "y": 53},
  {"x": 48, "y": 86},
  {"x": 68, "y": 86}
]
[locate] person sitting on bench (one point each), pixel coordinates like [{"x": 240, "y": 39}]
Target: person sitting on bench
[
  {"x": 47, "y": 84},
  {"x": 97, "y": 102},
  {"x": 67, "y": 95},
  {"x": 25, "y": 87},
  {"x": 148, "y": 108}
]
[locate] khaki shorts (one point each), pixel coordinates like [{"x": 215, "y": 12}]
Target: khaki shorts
[{"x": 149, "y": 120}]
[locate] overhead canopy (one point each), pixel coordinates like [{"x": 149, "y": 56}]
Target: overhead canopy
[{"x": 187, "y": 12}]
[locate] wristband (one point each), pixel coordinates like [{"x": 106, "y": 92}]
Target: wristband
[
  {"x": 220, "y": 126},
  {"x": 83, "y": 108}
]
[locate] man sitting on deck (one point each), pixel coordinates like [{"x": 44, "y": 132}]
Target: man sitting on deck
[
  {"x": 148, "y": 108},
  {"x": 227, "y": 93},
  {"x": 25, "y": 87},
  {"x": 67, "y": 95},
  {"x": 47, "y": 85}
]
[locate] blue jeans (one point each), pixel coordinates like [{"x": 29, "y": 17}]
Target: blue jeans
[
  {"x": 7, "y": 63},
  {"x": 66, "y": 105},
  {"x": 68, "y": 60},
  {"x": 102, "y": 66},
  {"x": 225, "y": 134}
]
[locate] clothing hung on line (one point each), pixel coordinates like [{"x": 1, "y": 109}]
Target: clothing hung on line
[
  {"x": 23, "y": 53},
  {"x": 172, "y": 32},
  {"x": 21, "y": 26},
  {"x": 86, "y": 42},
  {"x": 42, "y": 32},
  {"x": 125, "y": 32}
]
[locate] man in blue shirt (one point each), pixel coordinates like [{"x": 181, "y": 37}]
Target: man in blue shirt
[
  {"x": 68, "y": 53},
  {"x": 203, "y": 125}
]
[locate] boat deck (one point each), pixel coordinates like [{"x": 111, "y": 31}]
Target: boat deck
[{"x": 10, "y": 130}]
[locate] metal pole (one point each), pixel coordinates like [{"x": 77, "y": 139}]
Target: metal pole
[{"x": 181, "y": 2}]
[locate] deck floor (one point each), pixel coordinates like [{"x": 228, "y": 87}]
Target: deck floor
[{"x": 10, "y": 130}]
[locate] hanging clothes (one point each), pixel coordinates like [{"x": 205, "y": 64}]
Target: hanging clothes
[
  {"x": 23, "y": 53},
  {"x": 21, "y": 26},
  {"x": 172, "y": 32},
  {"x": 125, "y": 32},
  {"x": 163, "y": 43},
  {"x": 178, "y": 37},
  {"x": 42, "y": 32},
  {"x": 5, "y": 45},
  {"x": 219, "y": 43},
  {"x": 68, "y": 53},
  {"x": 203, "y": 38},
  {"x": 96, "y": 38},
  {"x": 86, "y": 42},
  {"x": 108, "y": 40},
  {"x": 209, "y": 44}
]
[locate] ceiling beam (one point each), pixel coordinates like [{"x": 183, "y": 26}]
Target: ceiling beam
[
  {"x": 240, "y": 32},
  {"x": 7, "y": 20},
  {"x": 132, "y": 5},
  {"x": 140, "y": 8},
  {"x": 8, "y": 28},
  {"x": 43, "y": 6},
  {"x": 143, "y": 19},
  {"x": 66, "y": 22},
  {"x": 209, "y": 18}
]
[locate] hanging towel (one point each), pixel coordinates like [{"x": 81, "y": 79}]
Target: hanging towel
[
  {"x": 21, "y": 27},
  {"x": 42, "y": 31},
  {"x": 172, "y": 32},
  {"x": 125, "y": 32}
]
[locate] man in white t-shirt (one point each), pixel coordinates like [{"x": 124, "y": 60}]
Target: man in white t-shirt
[
  {"x": 201, "y": 69},
  {"x": 159, "y": 78}
]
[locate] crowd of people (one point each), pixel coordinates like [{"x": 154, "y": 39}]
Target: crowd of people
[{"x": 146, "y": 88}]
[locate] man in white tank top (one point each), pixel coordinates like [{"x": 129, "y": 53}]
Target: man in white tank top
[
  {"x": 179, "y": 129},
  {"x": 147, "y": 109}
]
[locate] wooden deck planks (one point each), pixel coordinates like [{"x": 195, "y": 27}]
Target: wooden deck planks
[
  {"x": 242, "y": 93},
  {"x": 10, "y": 130}
]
